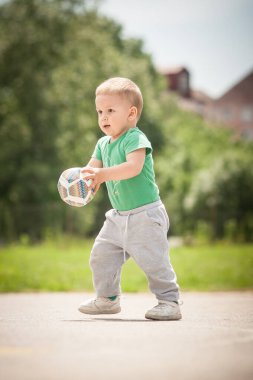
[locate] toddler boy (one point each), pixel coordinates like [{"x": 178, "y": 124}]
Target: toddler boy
[{"x": 138, "y": 223}]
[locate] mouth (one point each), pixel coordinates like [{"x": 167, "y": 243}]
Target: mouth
[{"x": 106, "y": 126}]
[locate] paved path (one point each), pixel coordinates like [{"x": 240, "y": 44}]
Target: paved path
[{"x": 44, "y": 337}]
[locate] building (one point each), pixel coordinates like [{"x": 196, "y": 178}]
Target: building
[
  {"x": 178, "y": 80},
  {"x": 234, "y": 109}
]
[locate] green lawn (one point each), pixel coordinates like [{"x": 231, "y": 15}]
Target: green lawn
[{"x": 64, "y": 266}]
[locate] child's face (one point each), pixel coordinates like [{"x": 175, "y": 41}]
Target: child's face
[{"x": 115, "y": 114}]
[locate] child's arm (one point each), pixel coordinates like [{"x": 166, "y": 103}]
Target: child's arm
[
  {"x": 131, "y": 168},
  {"x": 94, "y": 163}
]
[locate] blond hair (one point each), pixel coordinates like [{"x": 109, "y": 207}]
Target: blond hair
[{"x": 125, "y": 87}]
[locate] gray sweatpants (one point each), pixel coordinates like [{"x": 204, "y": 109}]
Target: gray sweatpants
[{"x": 140, "y": 233}]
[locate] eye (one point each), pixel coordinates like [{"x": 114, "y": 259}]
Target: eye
[
  {"x": 99, "y": 112},
  {"x": 110, "y": 110}
]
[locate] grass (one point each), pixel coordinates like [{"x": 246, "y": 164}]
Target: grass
[{"x": 63, "y": 265}]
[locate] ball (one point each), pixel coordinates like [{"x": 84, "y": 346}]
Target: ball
[{"x": 73, "y": 189}]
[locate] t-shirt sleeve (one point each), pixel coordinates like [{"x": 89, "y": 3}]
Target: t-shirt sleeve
[
  {"x": 97, "y": 152},
  {"x": 137, "y": 140}
]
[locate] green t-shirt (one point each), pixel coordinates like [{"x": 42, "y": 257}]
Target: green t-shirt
[{"x": 134, "y": 192}]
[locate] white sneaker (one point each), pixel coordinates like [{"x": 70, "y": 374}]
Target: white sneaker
[
  {"x": 164, "y": 311},
  {"x": 100, "y": 305}
]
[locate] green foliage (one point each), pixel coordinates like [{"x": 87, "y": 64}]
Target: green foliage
[
  {"x": 223, "y": 194},
  {"x": 31, "y": 33},
  {"x": 205, "y": 176},
  {"x": 53, "y": 55},
  {"x": 62, "y": 264}
]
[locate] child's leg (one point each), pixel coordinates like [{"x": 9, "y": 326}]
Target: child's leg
[
  {"x": 106, "y": 262},
  {"x": 107, "y": 258},
  {"x": 148, "y": 245}
]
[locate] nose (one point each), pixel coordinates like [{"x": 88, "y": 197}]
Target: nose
[{"x": 104, "y": 117}]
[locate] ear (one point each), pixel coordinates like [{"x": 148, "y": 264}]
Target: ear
[{"x": 132, "y": 113}]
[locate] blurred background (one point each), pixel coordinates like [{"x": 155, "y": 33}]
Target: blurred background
[
  {"x": 194, "y": 64},
  {"x": 54, "y": 53}
]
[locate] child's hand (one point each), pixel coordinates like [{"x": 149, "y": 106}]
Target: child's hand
[{"x": 92, "y": 174}]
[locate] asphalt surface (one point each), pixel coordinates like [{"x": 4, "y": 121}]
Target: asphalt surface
[{"x": 43, "y": 336}]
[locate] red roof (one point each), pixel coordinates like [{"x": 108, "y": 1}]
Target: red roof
[{"x": 242, "y": 92}]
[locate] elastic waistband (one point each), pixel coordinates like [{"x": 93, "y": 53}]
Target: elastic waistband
[{"x": 140, "y": 209}]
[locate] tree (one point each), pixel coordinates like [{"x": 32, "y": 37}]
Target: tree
[
  {"x": 192, "y": 170},
  {"x": 222, "y": 195},
  {"x": 53, "y": 54}
]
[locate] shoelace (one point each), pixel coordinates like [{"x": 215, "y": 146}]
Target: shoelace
[{"x": 163, "y": 304}]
